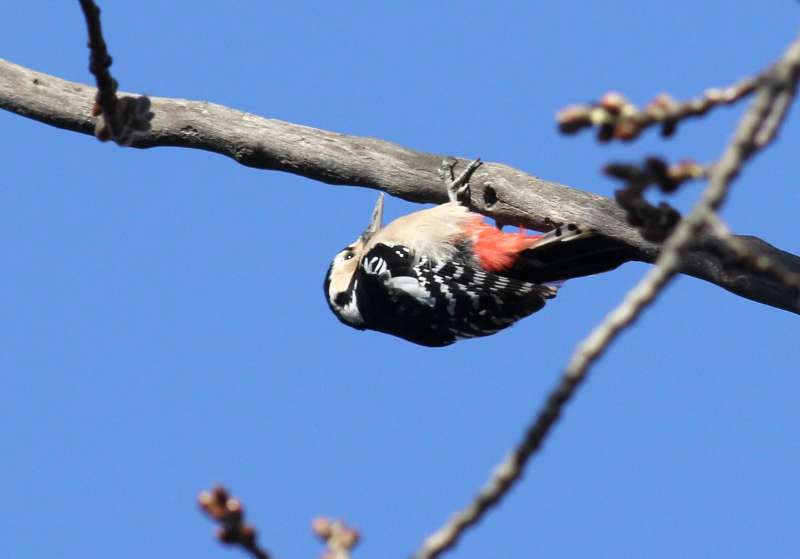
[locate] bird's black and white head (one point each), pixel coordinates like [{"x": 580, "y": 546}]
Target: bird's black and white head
[{"x": 341, "y": 279}]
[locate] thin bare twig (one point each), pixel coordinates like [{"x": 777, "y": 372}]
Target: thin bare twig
[
  {"x": 228, "y": 512},
  {"x": 763, "y": 112},
  {"x": 785, "y": 83},
  {"x": 617, "y": 118},
  {"x": 118, "y": 118},
  {"x": 656, "y": 171}
]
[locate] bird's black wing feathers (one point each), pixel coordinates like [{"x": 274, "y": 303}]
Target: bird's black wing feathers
[
  {"x": 435, "y": 304},
  {"x": 588, "y": 255}
]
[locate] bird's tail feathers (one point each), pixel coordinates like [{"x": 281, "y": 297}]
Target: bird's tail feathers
[{"x": 566, "y": 252}]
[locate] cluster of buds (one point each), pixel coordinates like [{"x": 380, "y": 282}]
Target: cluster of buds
[
  {"x": 654, "y": 222},
  {"x": 228, "y": 512},
  {"x": 656, "y": 171},
  {"x": 121, "y": 119},
  {"x": 337, "y": 536},
  {"x": 616, "y": 118},
  {"x": 129, "y": 117}
]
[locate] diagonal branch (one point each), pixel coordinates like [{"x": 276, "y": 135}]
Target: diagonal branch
[
  {"x": 772, "y": 102},
  {"x": 507, "y": 194}
]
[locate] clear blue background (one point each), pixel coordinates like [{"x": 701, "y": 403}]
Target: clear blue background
[{"x": 163, "y": 325}]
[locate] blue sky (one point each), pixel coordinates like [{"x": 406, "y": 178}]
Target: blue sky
[{"x": 164, "y": 325}]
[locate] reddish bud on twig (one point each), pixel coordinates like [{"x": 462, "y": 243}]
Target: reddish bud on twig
[
  {"x": 617, "y": 118},
  {"x": 228, "y": 512},
  {"x": 613, "y": 102},
  {"x": 322, "y": 527},
  {"x": 339, "y": 538}
]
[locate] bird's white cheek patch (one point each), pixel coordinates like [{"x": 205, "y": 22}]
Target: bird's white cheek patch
[
  {"x": 351, "y": 314},
  {"x": 349, "y": 311}
]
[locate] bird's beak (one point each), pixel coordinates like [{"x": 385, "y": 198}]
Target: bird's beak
[{"x": 375, "y": 222}]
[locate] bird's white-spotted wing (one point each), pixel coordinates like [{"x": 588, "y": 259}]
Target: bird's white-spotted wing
[{"x": 437, "y": 303}]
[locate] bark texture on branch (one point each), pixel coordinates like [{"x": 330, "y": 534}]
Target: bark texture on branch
[{"x": 507, "y": 194}]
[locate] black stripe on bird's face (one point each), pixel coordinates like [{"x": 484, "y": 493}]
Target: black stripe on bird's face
[
  {"x": 340, "y": 282},
  {"x": 341, "y": 299}
]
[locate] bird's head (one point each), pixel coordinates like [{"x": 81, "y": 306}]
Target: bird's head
[{"x": 340, "y": 281}]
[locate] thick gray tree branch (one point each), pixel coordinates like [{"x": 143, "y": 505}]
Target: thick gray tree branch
[{"x": 500, "y": 191}]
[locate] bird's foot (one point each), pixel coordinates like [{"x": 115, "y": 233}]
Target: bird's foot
[{"x": 457, "y": 187}]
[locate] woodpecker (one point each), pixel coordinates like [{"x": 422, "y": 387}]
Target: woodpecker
[{"x": 442, "y": 274}]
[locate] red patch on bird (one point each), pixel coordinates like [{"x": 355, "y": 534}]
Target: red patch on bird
[{"x": 497, "y": 251}]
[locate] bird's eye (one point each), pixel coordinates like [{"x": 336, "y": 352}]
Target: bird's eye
[{"x": 348, "y": 256}]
